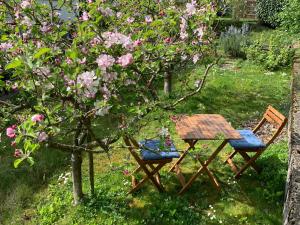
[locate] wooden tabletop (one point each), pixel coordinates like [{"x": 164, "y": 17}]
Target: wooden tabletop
[{"x": 205, "y": 127}]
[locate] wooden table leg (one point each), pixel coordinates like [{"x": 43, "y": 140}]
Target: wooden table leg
[
  {"x": 191, "y": 145},
  {"x": 204, "y": 167}
]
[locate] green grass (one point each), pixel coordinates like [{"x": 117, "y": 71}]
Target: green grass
[{"x": 240, "y": 93}]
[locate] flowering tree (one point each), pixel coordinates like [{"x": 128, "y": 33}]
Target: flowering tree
[{"x": 76, "y": 84}]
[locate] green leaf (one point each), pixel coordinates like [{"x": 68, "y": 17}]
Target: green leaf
[
  {"x": 30, "y": 160},
  {"x": 40, "y": 52},
  {"x": 14, "y": 64},
  {"x": 17, "y": 162}
]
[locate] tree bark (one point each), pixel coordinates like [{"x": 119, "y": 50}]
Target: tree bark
[
  {"x": 168, "y": 83},
  {"x": 91, "y": 168},
  {"x": 76, "y": 160}
]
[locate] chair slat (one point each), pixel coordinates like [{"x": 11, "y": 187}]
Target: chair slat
[
  {"x": 272, "y": 119},
  {"x": 275, "y": 112}
]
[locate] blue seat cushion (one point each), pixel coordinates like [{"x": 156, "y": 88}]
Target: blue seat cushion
[
  {"x": 249, "y": 141},
  {"x": 154, "y": 153}
]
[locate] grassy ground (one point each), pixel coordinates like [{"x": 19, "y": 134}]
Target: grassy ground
[{"x": 238, "y": 90}]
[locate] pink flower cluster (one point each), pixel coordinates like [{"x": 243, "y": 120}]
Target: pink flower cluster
[
  {"x": 5, "y": 46},
  {"x": 42, "y": 136},
  {"x": 105, "y": 61},
  {"x": 125, "y": 60},
  {"x": 148, "y": 19},
  {"x": 25, "y": 3},
  {"x": 85, "y": 16},
  {"x": 183, "y": 26},
  {"x": 115, "y": 38},
  {"x": 89, "y": 82},
  {"x": 191, "y": 8},
  {"x": 11, "y": 131},
  {"x": 37, "y": 118},
  {"x": 18, "y": 153}
]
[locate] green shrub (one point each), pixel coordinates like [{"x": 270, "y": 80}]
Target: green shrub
[
  {"x": 289, "y": 18},
  {"x": 267, "y": 11},
  {"x": 271, "y": 52},
  {"x": 233, "y": 39}
]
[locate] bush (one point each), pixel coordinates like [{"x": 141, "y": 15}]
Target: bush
[
  {"x": 271, "y": 52},
  {"x": 233, "y": 39},
  {"x": 267, "y": 11},
  {"x": 289, "y": 18}
]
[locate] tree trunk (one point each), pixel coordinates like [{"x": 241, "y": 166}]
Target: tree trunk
[
  {"x": 91, "y": 168},
  {"x": 168, "y": 83},
  {"x": 76, "y": 160}
]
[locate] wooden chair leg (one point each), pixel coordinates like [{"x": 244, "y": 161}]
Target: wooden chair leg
[
  {"x": 149, "y": 175},
  {"x": 157, "y": 175},
  {"x": 233, "y": 167},
  {"x": 230, "y": 156},
  {"x": 238, "y": 174},
  {"x": 247, "y": 158}
]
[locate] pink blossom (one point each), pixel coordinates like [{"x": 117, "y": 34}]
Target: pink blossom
[
  {"x": 89, "y": 1},
  {"x": 105, "y": 61},
  {"x": 148, "y": 19},
  {"x": 168, "y": 40},
  {"x": 37, "y": 118},
  {"x": 95, "y": 41},
  {"x": 25, "y": 4},
  {"x": 42, "y": 136},
  {"x": 69, "y": 61},
  {"x": 125, "y": 172},
  {"x": 84, "y": 50},
  {"x": 57, "y": 61},
  {"x": 137, "y": 43},
  {"x": 13, "y": 144},
  {"x": 199, "y": 32},
  {"x": 45, "y": 28},
  {"x": 119, "y": 14},
  {"x": 196, "y": 58},
  {"x": 5, "y": 46},
  {"x": 17, "y": 13},
  {"x": 168, "y": 142},
  {"x": 105, "y": 92},
  {"x": 82, "y": 61},
  {"x": 115, "y": 38},
  {"x": 11, "y": 131},
  {"x": 89, "y": 82},
  {"x": 86, "y": 79},
  {"x": 18, "y": 153},
  {"x": 130, "y": 20},
  {"x": 191, "y": 8},
  {"x": 183, "y": 26},
  {"x": 125, "y": 60},
  {"x": 14, "y": 87},
  {"x": 85, "y": 16}
]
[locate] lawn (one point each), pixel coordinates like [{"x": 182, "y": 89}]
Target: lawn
[{"x": 240, "y": 91}]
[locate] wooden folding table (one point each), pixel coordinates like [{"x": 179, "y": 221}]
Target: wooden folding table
[{"x": 197, "y": 127}]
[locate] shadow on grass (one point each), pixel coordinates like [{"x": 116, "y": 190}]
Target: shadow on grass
[{"x": 18, "y": 185}]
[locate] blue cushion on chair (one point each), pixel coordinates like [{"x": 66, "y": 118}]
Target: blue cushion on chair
[
  {"x": 249, "y": 141},
  {"x": 154, "y": 153}
]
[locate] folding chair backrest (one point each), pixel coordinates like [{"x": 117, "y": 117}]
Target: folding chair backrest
[
  {"x": 132, "y": 145},
  {"x": 275, "y": 118}
]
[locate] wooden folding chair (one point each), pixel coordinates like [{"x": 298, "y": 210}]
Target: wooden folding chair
[
  {"x": 252, "y": 143},
  {"x": 150, "y": 162}
]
